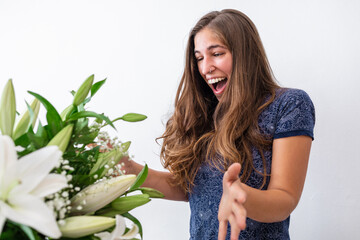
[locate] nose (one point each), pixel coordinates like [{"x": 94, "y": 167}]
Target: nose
[{"x": 207, "y": 66}]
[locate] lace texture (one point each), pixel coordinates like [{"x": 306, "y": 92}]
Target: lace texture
[{"x": 291, "y": 114}]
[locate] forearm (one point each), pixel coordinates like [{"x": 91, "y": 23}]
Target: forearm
[
  {"x": 289, "y": 165},
  {"x": 271, "y": 205},
  {"x": 158, "y": 180}
]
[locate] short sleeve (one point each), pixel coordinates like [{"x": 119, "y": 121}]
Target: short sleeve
[{"x": 296, "y": 115}]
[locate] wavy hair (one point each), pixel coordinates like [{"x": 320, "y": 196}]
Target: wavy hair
[{"x": 203, "y": 129}]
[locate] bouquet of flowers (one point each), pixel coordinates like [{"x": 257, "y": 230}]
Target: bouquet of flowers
[{"x": 64, "y": 180}]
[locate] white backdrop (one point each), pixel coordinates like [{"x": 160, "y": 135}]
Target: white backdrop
[{"x": 50, "y": 47}]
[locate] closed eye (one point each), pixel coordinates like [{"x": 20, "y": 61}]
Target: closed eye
[{"x": 218, "y": 54}]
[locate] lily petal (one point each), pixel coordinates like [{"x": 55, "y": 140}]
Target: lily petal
[
  {"x": 8, "y": 162},
  {"x": 120, "y": 227},
  {"x": 131, "y": 233},
  {"x": 2, "y": 219},
  {"x": 8, "y": 154},
  {"x": 118, "y": 232},
  {"x": 33, "y": 212},
  {"x": 34, "y": 167},
  {"x": 103, "y": 235},
  {"x": 51, "y": 184}
]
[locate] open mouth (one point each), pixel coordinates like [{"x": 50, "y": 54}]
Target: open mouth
[{"x": 218, "y": 84}]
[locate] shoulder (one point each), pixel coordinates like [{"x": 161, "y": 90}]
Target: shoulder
[
  {"x": 285, "y": 95},
  {"x": 291, "y": 113},
  {"x": 289, "y": 99},
  {"x": 295, "y": 113}
]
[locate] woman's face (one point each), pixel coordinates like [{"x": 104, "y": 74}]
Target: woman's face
[{"x": 214, "y": 60}]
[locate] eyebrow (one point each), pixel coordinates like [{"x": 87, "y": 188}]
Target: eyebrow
[{"x": 211, "y": 47}]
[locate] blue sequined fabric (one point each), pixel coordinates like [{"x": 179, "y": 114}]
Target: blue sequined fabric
[{"x": 290, "y": 114}]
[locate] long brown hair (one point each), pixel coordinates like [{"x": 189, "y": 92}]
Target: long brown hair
[{"x": 201, "y": 128}]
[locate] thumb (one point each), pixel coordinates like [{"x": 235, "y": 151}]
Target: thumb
[{"x": 232, "y": 174}]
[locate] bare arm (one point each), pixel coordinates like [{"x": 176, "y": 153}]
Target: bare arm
[
  {"x": 289, "y": 165},
  {"x": 158, "y": 180}
]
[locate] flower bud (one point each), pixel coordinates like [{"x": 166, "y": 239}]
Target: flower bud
[
  {"x": 66, "y": 111},
  {"x": 83, "y": 91},
  {"x": 80, "y": 226},
  {"x": 125, "y": 204},
  {"x": 100, "y": 194},
  {"x": 62, "y": 138},
  {"x": 153, "y": 193},
  {"x": 24, "y": 123},
  {"x": 133, "y": 117},
  {"x": 125, "y": 146},
  {"x": 7, "y": 109}
]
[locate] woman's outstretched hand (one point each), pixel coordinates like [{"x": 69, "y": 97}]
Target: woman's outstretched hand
[{"x": 231, "y": 208}]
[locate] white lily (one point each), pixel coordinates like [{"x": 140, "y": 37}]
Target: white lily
[
  {"x": 24, "y": 183},
  {"x": 118, "y": 232}
]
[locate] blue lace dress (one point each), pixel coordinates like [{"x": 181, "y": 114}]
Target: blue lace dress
[{"x": 290, "y": 114}]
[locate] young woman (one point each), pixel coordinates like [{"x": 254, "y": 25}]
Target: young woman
[{"x": 237, "y": 145}]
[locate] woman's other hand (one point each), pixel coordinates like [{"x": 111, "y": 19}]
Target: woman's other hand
[
  {"x": 231, "y": 208},
  {"x": 126, "y": 165}
]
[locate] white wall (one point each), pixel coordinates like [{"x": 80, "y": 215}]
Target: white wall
[{"x": 50, "y": 47}]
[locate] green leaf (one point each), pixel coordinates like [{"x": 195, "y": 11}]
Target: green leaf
[
  {"x": 134, "y": 220},
  {"x": 87, "y": 138},
  {"x": 31, "y": 114},
  {"x": 41, "y": 131},
  {"x": 89, "y": 237},
  {"x": 108, "y": 212},
  {"x": 30, "y": 138},
  {"x": 140, "y": 178},
  {"x": 28, "y": 232},
  {"x": 23, "y": 140},
  {"x": 131, "y": 117},
  {"x": 81, "y": 107},
  {"x": 96, "y": 86},
  {"x": 37, "y": 141},
  {"x": 52, "y": 116},
  {"x": 86, "y": 114},
  {"x": 24, "y": 231}
]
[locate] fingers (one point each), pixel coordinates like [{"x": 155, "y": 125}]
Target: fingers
[
  {"x": 124, "y": 158},
  {"x": 124, "y": 165},
  {"x": 231, "y": 208},
  {"x": 235, "y": 229},
  {"x": 222, "y": 230},
  {"x": 237, "y": 221},
  {"x": 239, "y": 217}
]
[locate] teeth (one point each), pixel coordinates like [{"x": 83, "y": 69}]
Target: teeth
[{"x": 215, "y": 80}]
